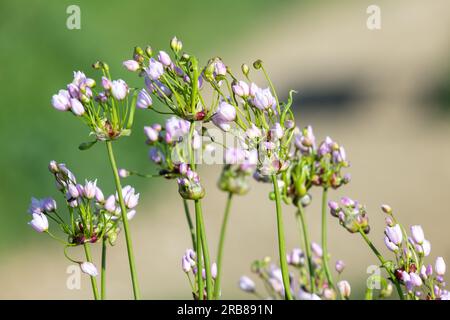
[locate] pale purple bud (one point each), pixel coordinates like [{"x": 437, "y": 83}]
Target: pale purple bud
[
  {"x": 346, "y": 201},
  {"x": 119, "y": 89},
  {"x": 417, "y": 234},
  {"x": 131, "y": 214},
  {"x": 344, "y": 288},
  {"x": 390, "y": 245},
  {"x": 429, "y": 270},
  {"x": 106, "y": 83},
  {"x": 130, "y": 198},
  {"x": 73, "y": 191},
  {"x": 394, "y": 234},
  {"x": 155, "y": 69},
  {"x": 246, "y": 284},
  {"x": 144, "y": 101},
  {"x": 185, "y": 264},
  {"x": 241, "y": 89},
  {"x": 426, "y": 248},
  {"x": 214, "y": 270},
  {"x": 151, "y": 134},
  {"x": 164, "y": 58},
  {"x": 156, "y": 155},
  {"x": 415, "y": 279},
  {"x": 317, "y": 249},
  {"x": 253, "y": 89},
  {"x": 77, "y": 107},
  {"x": 219, "y": 68},
  {"x": 123, "y": 173},
  {"x": 90, "y": 189},
  {"x": 405, "y": 277},
  {"x": 49, "y": 204},
  {"x": 423, "y": 272},
  {"x": 131, "y": 65},
  {"x": 61, "y": 101},
  {"x": 439, "y": 266},
  {"x": 333, "y": 205},
  {"x": 110, "y": 204},
  {"x": 35, "y": 206},
  {"x": 339, "y": 266},
  {"x": 39, "y": 222},
  {"x": 99, "y": 195},
  {"x": 389, "y": 221},
  {"x": 183, "y": 168},
  {"x": 289, "y": 124},
  {"x": 89, "y": 268},
  {"x": 263, "y": 99},
  {"x": 74, "y": 91},
  {"x": 276, "y": 131},
  {"x": 177, "y": 128}
]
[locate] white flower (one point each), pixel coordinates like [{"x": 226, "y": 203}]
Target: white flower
[
  {"x": 39, "y": 222},
  {"x": 89, "y": 268}
]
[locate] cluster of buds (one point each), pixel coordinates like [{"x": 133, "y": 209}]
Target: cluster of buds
[
  {"x": 352, "y": 215},
  {"x": 238, "y": 168},
  {"x": 189, "y": 266},
  {"x": 421, "y": 280},
  {"x": 108, "y": 113}
]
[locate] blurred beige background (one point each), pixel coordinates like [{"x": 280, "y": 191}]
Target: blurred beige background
[{"x": 399, "y": 152}]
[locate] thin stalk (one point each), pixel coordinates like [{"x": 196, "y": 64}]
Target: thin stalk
[
  {"x": 281, "y": 242},
  {"x": 199, "y": 214},
  {"x": 324, "y": 239},
  {"x": 223, "y": 231},
  {"x": 301, "y": 219},
  {"x": 126, "y": 229},
  {"x": 383, "y": 262},
  {"x": 198, "y": 250},
  {"x": 87, "y": 251},
  {"x": 103, "y": 275},
  {"x": 190, "y": 224}
]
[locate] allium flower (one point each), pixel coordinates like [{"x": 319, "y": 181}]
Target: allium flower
[
  {"x": 417, "y": 234},
  {"x": 131, "y": 65},
  {"x": 119, "y": 89},
  {"x": 241, "y": 89},
  {"x": 89, "y": 268},
  {"x": 35, "y": 206},
  {"x": 390, "y": 245},
  {"x": 61, "y": 101},
  {"x": 246, "y": 284},
  {"x": 220, "y": 69},
  {"x": 48, "y": 204},
  {"x": 155, "y": 69},
  {"x": 263, "y": 99},
  {"x": 224, "y": 115},
  {"x": 90, "y": 189},
  {"x": 144, "y": 101},
  {"x": 110, "y": 204},
  {"x": 156, "y": 155},
  {"x": 151, "y": 134},
  {"x": 305, "y": 140},
  {"x": 130, "y": 198},
  {"x": 426, "y": 248},
  {"x": 394, "y": 234},
  {"x": 317, "y": 249},
  {"x": 39, "y": 222},
  {"x": 296, "y": 257},
  {"x": 185, "y": 264},
  {"x": 344, "y": 288},
  {"x": 99, "y": 197},
  {"x": 123, "y": 173},
  {"x": 440, "y": 266},
  {"x": 415, "y": 279},
  {"x": 164, "y": 58},
  {"x": 177, "y": 128}
]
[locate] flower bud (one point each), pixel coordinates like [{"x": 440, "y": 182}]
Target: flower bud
[
  {"x": 390, "y": 245},
  {"x": 119, "y": 89},
  {"x": 257, "y": 64},
  {"x": 246, "y": 284},
  {"x": 344, "y": 288},
  {"x": 61, "y": 101},
  {"x": 394, "y": 234},
  {"x": 39, "y": 222},
  {"x": 143, "y": 101},
  {"x": 164, "y": 58},
  {"x": 89, "y": 268},
  {"x": 386, "y": 209},
  {"x": 77, "y": 107},
  {"x": 339, "y": 266},
  {"x": 426, "y": 248},
  {"x": 245, "y": 69},
  {"x": 415, "y": 279},
  {"x": 176, "y": 44},
  {"x": 151, "y": 134},
  {"x": 241, "y": 89},
  {"x": 155, "y": 69},
  {"x": 185, "y": 264},
  {"x": 99, "y": 197},
  {"x": 123, "y": 173},
  {"x": 110, "y": 204},
  {"x": 90, "y": 189},
  {"x": 317, "y": 249},
  {"x": 417, "y": 234},
  {"x": 49, "y": 204},
  {"x": 131, "y": 65},
  {"x": 53, "y": 167},
  {"x": 439, "y": 266}
]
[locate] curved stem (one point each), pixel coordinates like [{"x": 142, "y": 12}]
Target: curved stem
[
  {"x": 324, "y": 239},
  {"x": 190, "y": 224},
  {"x": 281, "y": 243},
  {"x": 124, "y": 221},
  {"x": 301, "y": 219},
  {"x": 87, "y": 251},
  {"x": 383, "y": 262},
  {"x": 223, "y": 230},
  {"x": 198, "y": 213},
  {"x": 103, "y": 275}
]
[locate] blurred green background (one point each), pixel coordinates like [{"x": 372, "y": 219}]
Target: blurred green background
[{"x": 383, "y": 94}]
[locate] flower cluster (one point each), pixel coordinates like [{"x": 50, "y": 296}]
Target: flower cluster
[
  {"x": 189, "y": 266},
  {"x": 108, "y": 113},
  {"x": 351, "y": 214}
]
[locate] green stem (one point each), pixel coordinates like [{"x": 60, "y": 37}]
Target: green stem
[
  {"x": 87, "y": 251},
  {"x": 209, "y": 287},
  {"x": 324, "y": 239},
  {"x": 198, "y": 251},
  {"x": 124, "y": 221},
  {"x": 301, "y": 219},
  {"x": 281, "y": 243},
  {"x": 383, "y": 263},
  {"x": 223, "y": 231},
  {"x": 103, "y": 275},
  {"x": 190, "y": 224}
]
